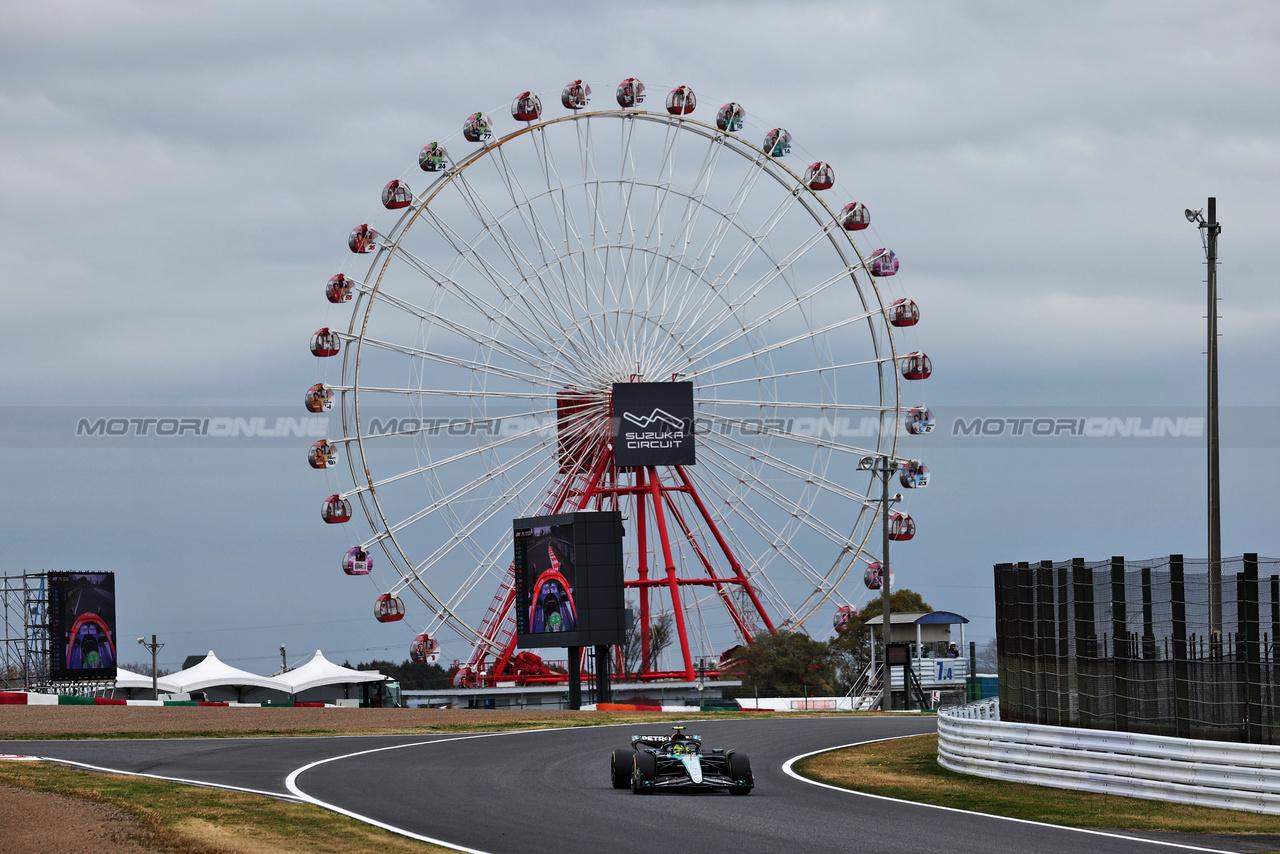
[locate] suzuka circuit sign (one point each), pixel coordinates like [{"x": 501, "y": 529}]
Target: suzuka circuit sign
[{"x": 653, "y": 424}]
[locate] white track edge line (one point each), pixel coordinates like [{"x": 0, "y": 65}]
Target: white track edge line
[
  {"x": 279, "y": 795},
  {"x": 789, "y": 771}
]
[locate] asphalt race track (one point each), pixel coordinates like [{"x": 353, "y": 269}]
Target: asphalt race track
[{"x": 548, "y": 792}]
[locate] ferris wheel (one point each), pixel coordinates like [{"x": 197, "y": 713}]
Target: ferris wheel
[{"x": 528, "y": 271}]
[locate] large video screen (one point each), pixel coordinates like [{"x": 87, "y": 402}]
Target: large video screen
[
  {"x": 568, "y": 579},
  {"x": 545, "y": 570},
  {"x": 82, "y": 626}
]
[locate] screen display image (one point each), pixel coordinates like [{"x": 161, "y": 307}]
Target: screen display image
[
  {"x": 82, "y": 625},
  {"x": 549, "y": 579}
]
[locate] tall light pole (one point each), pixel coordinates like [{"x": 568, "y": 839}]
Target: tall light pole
[
  {"x": 155, "y": 677},
  {"x": 885, "y": 467},
  {"x": 1209, "y": 231}
]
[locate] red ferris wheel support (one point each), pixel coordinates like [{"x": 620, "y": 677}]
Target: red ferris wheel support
[{"x": 664, "y": 505}]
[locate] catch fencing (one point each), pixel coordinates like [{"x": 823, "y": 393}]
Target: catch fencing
[{"x": 1127, "y": 646}]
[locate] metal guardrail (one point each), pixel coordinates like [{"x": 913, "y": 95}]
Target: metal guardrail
[{"x": 973, "y": 740}]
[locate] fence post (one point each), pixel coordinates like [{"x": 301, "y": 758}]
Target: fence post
[
  {"x": 1119, "y": 645},
  {"x": 1066, "y": 690},
  {"x": 1048, "y": 682},
  {"x": 1252, "y": 652},
  {"x": 1181, "y": 685},
  {"x": 1007, "y": 647},
  {"x": 1086, "y": 643}
]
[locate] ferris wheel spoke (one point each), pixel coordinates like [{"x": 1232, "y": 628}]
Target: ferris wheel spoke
[
  {"x": 453, "y": 361},
  {"x": 777, "y": 541},
  {"x": 464, "y": 332},
  {"x": 815, "y": 441},
  {"x": 786, "y": 342},
  {"x": 793, "y": 507},
  {"x": 796, "y": 404},
  {"x": 736, "y": 446},
  {"x": 794, "y": 301},
  {"x": 703, "y": 386}
]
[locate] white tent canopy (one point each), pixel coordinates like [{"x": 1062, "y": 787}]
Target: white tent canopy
[
  {"x": 129, "y": 680},
  {"x": 320, "y": 671},
  {"x": 213, "y": 673}
]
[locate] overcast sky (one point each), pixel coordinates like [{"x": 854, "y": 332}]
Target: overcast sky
[{"x": 177, "y": 182}]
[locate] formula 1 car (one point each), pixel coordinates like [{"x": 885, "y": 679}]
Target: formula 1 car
[{"x": 678, "y": 761}]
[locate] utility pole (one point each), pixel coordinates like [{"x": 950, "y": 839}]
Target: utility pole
[
  {"x": 1209, "y": 231},
  {"x": 885, "y": 467},
  {"x": 154, "y": 647}
]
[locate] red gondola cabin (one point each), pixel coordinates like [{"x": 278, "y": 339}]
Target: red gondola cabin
[
  {"x": 681, "y": 101},
  {"x": 338, "y": 289},
  {"x": 855, "y": 216},
  {"x": 819, "y": 176},
  {"x": 777, "y": 142},
  {"x": 914, "y": 475},
  {"x": 901, "y": 527},
  {"x": 363, "y": 239},
  {"x": 477, "y": 128},
  {"x": 396, "y": 195},
  {"x": 630, "y": 93},
  {"x": 916, "y": 366},
  {"x": 576, "y": 95},
  {"x": 527, "y": 107},
  {"x": 904, "y": 312},
  {"x": 322, "y": 455},
  {"x": 319, "y": 398},
  {"x": 325, "y": 343},
  {"x": 433, "y": 157},
  {"x": 883, "y": 262},
  {"x": 730, "y": 117},
  {"x": 335, "y": 510},
  {"x": 920, "y": 420},
  {"x": 388, "y": 608},
  {"x": 840, "y": 621},
  {"x": 424, "y": 648},
  {"x": 357, "y": 561}
]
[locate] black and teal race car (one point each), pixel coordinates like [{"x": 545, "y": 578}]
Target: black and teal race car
[{"x": 678, "y": 761}]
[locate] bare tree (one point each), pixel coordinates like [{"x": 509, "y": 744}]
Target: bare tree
[{"x": 634, "y": 660}]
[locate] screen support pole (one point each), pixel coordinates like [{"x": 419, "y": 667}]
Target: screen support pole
[{"x": 575, "y": 678}]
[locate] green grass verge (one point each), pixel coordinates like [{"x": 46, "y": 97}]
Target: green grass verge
[
  {"x": 194, "y": 820},
  {"x": 908, "y": 768}
]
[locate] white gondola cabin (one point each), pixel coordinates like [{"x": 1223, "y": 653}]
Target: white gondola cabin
[
  {"x": 630, "y": 93},
  {"x": 322, "y": 455},
  {"x": 916, "y": 366},
  {"x": 681, "y": 101},
  {"x": 338, "y": 289},
  {"x": 915, "y": 475},
  {"x": 357, "y": 561},
  {"x": 319, "y": 398},
  {"x": 731, "y": 117},
  {"x": 335, "y": 510},
  {"x": 883, "y": 262},
  {"x": 777, "y": 142},
  {"x": 920, "y": 420},
  {"x": 325, "y": 342},
  {"x": 819, "y": 176},
  {"x": 527, "y": 107},
  {"x": 433, "y": 157},
  {"x": 363, "y": 239},
  {"x": 477, "y": 128},
  {"x": 396, "y": 195},
  {"x": 576, "y": 95},
  {"x": 388, "y": 608},
  {"x": 855, "y": 216},
  {"x": 424, "y": 648}
]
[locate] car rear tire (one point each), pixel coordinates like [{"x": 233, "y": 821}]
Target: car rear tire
[
  {"x": 740, "y": 769},
  {"x": 644, "y": 769},
  {"x": 620, "y": 765}
]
